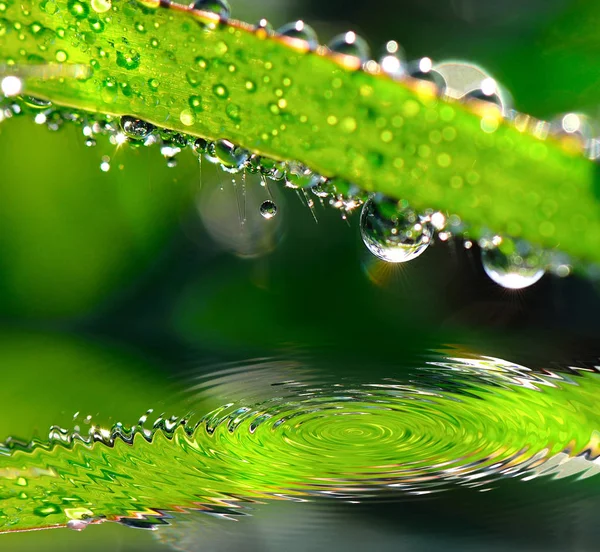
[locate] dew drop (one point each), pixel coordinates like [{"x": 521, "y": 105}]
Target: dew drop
[
  {"x": 78, "y": 9},
  {"x": 36, "y": 103},
  {"x": 135, "y": 128},
  {"x": 392, "y": 60},
  {"x": 513, "y": 264},
  {"x": 129, "y": 60},
  {"x": 351, "y": 44},
  {"x": 393, "y": 234},
  {"x": 422, "y": 70},
  {"x": 11, "y": 86},
  {"x": 221, "y": 91},
  {"x": 300, "y": 176},
  {"x": 77, "y": 524},
  {"x": 268, "y": 209},
  {"x": 101, "y": 6},
  {"x": 231, "y": 157},
  {"x": 300, "y": 31},
  {"x": 220, "y": 7}
]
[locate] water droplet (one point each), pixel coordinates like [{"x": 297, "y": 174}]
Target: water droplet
[
  {"x": 78, "y": 9},
  {"x": 135, "y": 128},
  {"x": 11, "y": 86},
  {"x": 300, "y": 176},
  {"x": 36, "y": 103},
  {"x": 61, "y": 56},
  {"x": 392, "y": 60},
  {"x": 200, "y": 145},
  {"x": 513, "y": 264},
  {"x": 264, "y": 25},
  {"x": 77, "y": 524},
  {"x": 393, "y": 234},
  {"x": 488, "y": 95},
  {"x": 129, "y": 60},
  {"x": 101, "y": 6},
  {"x": 351, "y": 44},
  {"x": 220, "y": 7},
  {"x": 47, "y": 510},
  {"x": 268, "y": 209},
  {"x": 231, "y": 157},
  {"x": 221, "y": 91},
  {"x": 422, "y": 70},
  {"x": 300, "y": 31}
]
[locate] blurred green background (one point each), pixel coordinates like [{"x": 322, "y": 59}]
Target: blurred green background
[{"x": 116, "y": 286}]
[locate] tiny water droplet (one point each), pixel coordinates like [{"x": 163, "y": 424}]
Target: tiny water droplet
[
  {"x": 231, "y": 157},
  {"x": 220, "y": 7},
  {"x": 268, "y": 209},
  {"x": 300, "y": 31},
  {"x": 135, "y": 128},
  {"x": 351, "y": 44},
  {"x": 393, "y": 234},
  {"x": 513, "y": 264}
]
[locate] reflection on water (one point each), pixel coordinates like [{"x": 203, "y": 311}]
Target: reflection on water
[{"x": 280, "y": 440}]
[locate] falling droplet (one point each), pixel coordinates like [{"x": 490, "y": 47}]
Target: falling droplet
[
  {"x": 350, "y": 44},
  {"x": 300, "y": 31},
  {"x": 135, "y": 128},
  {"x": 220, "y": 7},
  {"x": 393, "y": 234},
  {"x": 231, "y": 157},
  {"x": 513, "y": 264},
  {"x": 422, "y": 70},
  {"x": 268, "y": 209}
]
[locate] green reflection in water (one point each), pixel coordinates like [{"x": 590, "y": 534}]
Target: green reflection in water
[{"x": 461, "y": 422}]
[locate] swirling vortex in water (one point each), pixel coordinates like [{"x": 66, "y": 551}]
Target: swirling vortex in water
[{"x": 469, "y": 421}]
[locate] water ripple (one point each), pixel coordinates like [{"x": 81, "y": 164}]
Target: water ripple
[{"x": 281, "y": 430}]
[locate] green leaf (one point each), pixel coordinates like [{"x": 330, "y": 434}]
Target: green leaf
[{"x": 187, "y": 71}]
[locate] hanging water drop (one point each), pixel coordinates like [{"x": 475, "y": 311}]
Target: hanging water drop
[
  {"x": 513, "y": 264},
  {"x": 220, "y": 7},
  {"x": 232, "y": 158},
  {"x": 300, "y": 176},
  {"x": 300, "y": 31},
  {"x": 422, "y": 70},
  {"x": 77, "y": 524},
  {"x": 350, "y": 44},
  {"x": 135, "y": 128},
  {"x": 268, "y": 209},
  {"x": 393, "y": 234}
]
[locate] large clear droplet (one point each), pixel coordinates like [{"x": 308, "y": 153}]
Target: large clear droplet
[
  {"x": 231, "y": 157},
  {"x": 350, "y": 44},
  {"x": 393, "y": 234},
  {"x": 422, "y": 70},
  {"x": 220, "y": 7},
  {"x": 300, "y": 31},
  {"x": 268, "y": 209},
  {"x": 135, "y": 128},
  {"x": 513, "y": 264}
]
